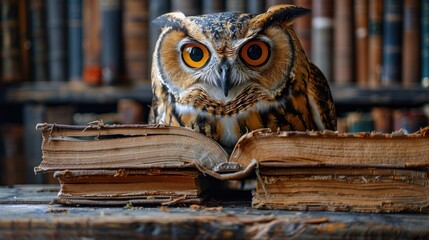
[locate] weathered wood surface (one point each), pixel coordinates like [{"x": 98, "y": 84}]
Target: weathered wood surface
[{"x": 25, "y": 213}]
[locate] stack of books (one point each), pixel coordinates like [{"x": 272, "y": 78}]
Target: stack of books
[{"x": 312, "y": 170}]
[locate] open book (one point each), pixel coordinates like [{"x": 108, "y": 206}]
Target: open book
[{"x": 286, "y": 165}]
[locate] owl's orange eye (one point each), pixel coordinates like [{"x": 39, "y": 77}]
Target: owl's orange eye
[
  {"x": 255, "y": 53},
  {"x": 195, "y": 55}
]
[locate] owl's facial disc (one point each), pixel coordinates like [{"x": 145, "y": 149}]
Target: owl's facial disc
[{"x": 225, "y": 66}]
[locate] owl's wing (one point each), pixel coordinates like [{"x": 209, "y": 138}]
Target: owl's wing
[
  {"x": 159, "y": 98},
  {"x": 321, "y": 102}
]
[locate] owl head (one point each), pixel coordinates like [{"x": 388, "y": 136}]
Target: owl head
[{"x": 223, "y": 53}]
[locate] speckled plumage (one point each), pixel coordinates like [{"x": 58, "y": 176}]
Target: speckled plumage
[{"x": 228, "y": 91}]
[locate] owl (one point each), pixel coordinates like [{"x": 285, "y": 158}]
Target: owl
[{"x": 225, "y": 74}]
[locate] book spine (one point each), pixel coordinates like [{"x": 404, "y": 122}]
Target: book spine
[
  {"x": 129, "y": 111},
  {"x": 270, "y": 3},
  {"x": 360, "y": 122},
  {"x": 75, "y": 40},
  {"x": 32, "y": 115},
  {"x": 56, "y": 23},
  {"x": 37, "y": 22},
  {"x": 411, "y": 44},
  {"x": 111, "y": 41},
  {"x": 188, "y": 7},
  {"x": 425, "y": 43},
  {"x": 361, "y": 41},
  {"x": 383, "y": 119},
  {"x": 156, "y": 9},
  {"x": 24, "y": 47},
  {"x": 375, "y": 27},
  {"x": 321, "y": 36},
  {"x": 12, "y": 151},
  {"x": 212, "y": 6},
  {"x": 255, "y": 6},
  {"x": 343, "y": 54},
  {"x": 236, "y": 6},
  {"x": 302, "y": 26},
  {"x": 91, "y": 42},
  {"x": 136, "y": 44},
  {"x": 10, "y": 67},
  {"x": 392, "y": 42},
  {"x": 409, "y": 120}
]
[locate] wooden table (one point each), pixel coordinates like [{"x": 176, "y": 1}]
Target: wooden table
[{"x": 25, "y": 213}]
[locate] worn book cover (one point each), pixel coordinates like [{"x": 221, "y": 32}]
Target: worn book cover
[{"x": 135, "y": 186}]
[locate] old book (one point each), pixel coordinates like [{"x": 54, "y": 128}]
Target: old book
[
  {"x": 256, "y": 6},
  {"x": 322, "y": 37},
  {"x": 135, "y": 186},
  {"x": 38, "y": 40},
  {"x": 212, "y": 6},
  {"x": 156, "y": 9},
  {"x": 24, "y": 47},
  {"x": 10, "y": 59},
  {"x": 75, "y": 39},
  {"x": 136, "y": 40},
  {"x": 409, "y": 120},
  {"x": 270, "y": 3},
  {"x": 12, "y": 157},
  {"x": 411, "y": 44},
  {"x": 32, "y": 114},
  {"x": 130, "y": 111},
  {"x": 343, "y": 43},
  {"x": 375, "y": 18},
  {"x": 366, "y": 172},
  {"x": 361, "y": 41},
  {"x": 236, "y": 6},
  {"x": 392, "y": 42},
  {"x": 56, "y": 28},
  {"x": 302, "y": 26},
  {"x": 125, "y": 146},
  {"x": 91, "y": 42},
  {"x": 360, "y": 122},
  {"x": 188, "y": 7},
  {"x": 316, "y": 149},
  {"x": 424, "y": 36},
  {"x": 111, "y": 41},
  {"x": 119, "y": 164},
  {"x": 383, "y": 119},
  {"x": 342, "y": 189}
]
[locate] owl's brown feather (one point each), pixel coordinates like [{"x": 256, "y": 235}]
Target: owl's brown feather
[{"x": 287, "y": 92}]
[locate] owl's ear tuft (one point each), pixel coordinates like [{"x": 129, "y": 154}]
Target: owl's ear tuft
[
  {"x": 175, "y": 20},
  {"x": 283, "y": 14}
]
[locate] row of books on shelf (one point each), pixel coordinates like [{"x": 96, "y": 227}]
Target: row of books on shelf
[
  {"x": 385, "y": 120},
  {"x": 371, "y": 43},
  {"x": 354, "y": 42},
  {"x": 99, "y": 41}
]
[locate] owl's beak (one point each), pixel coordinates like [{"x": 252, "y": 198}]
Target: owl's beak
[{"x": 225, "y": 79}]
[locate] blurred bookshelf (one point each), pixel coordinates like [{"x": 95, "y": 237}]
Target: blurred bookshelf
[
  {"x": 75, "y": 93},
  {"x": 60, "y": 63}
]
